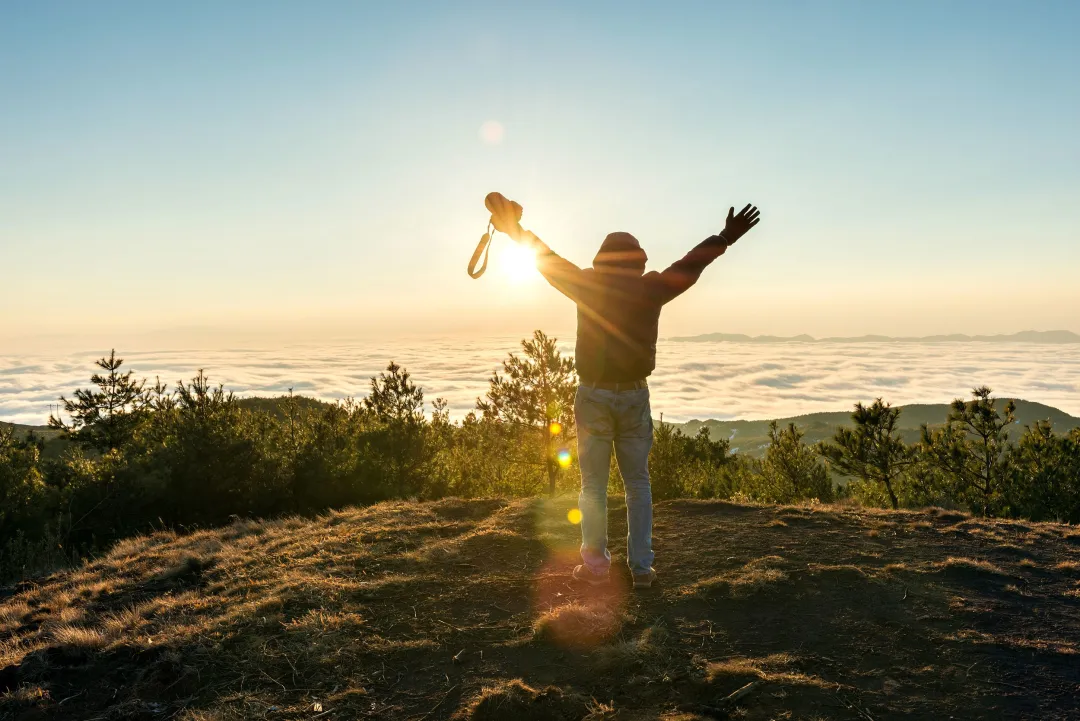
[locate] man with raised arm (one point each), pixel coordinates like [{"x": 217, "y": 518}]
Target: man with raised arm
[{"x": 618, "y": 312}]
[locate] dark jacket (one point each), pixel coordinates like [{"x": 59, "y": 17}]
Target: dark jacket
[{"x": 618, "y": 304}]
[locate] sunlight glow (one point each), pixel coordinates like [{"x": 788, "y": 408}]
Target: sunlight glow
[
  {"x": 574, "y": 516},
  {"x": 555, "y": 428},
  {"x": 517, "y": 263}
]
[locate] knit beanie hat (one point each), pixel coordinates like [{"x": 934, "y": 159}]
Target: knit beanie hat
[{"x": 621, "y": 250}]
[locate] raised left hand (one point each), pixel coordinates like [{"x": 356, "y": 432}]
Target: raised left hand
[{"x": 739, "y": 225}]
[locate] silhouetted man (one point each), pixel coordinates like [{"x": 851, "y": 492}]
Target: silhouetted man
[{"x": 618, "y": 312}]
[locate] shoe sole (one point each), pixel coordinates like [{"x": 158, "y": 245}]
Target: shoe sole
[{"x": 591, "y": 582}]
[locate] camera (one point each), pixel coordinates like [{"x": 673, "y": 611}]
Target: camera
[{"x": 505, "y": 214}]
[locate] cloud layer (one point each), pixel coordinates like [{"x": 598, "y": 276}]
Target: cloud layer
[{"x": 693, "y": 380}]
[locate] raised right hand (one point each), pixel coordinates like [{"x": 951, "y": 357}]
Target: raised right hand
[{"x": 505, "y": 214}]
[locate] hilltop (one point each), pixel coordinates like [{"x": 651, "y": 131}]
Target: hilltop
[
  {"x": 463, "y": 609},
  {"x": 752, "y": 437}
]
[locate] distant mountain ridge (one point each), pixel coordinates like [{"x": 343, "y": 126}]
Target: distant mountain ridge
[
  {"x": 752, "y": 437},
  {"x": 1027, "y": 336}
]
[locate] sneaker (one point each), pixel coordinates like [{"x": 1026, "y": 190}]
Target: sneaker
[
  {"x": 645, "y": 580},
  {"x": 586, "y": 574}
]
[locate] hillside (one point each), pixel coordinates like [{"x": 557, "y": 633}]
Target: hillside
[
  {"x": 463, "y": 609},
  {"x": 752, "y": 437},
  {"x": 23, "y": 430}
]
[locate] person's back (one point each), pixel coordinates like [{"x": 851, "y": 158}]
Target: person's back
[
  {"x": 618, "y": 313},
  {"x": 618, "y": 320}
]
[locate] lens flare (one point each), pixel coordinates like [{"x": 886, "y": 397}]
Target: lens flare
[
  {"x": 564, "y": 458},
  {"x": 555, "y": 428},
  {"x": 492, "y": 132},
  {"x": 574, "y": 516}
]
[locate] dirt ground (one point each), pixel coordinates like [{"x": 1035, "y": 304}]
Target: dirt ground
[{"x": 465, "y": 610}]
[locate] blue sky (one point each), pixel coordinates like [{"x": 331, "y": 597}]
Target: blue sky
[{"x": 318, "y": 168}]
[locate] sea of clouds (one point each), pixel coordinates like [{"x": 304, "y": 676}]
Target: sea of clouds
[{"x": 692, "y": 380}]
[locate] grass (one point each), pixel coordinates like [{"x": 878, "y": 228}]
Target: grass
[
  {"x": 753, "y": 577},
  {"x": 774, "y": 668},
  {"x": 465, "y": 610},
  {"x": 973, "y": 565},
  {"x": 578, "y": 625},
  {"x": 516, "y": 700},
  {"x": 80, "y": 638}
]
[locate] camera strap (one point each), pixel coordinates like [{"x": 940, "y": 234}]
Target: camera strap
[{"x": 482, "y": 248}]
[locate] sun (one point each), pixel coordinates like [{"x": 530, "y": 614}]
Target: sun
[{"x": 517, "y": 263}]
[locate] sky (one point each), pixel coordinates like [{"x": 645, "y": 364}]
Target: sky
[{"x": 202, "y": 172}]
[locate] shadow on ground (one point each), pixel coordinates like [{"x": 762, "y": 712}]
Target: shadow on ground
[{"x": 464, "y": 609}]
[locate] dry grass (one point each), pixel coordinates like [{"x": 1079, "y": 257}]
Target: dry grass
[
  {"x": 953, "y": 563},
  {"x": 80, "y": 637},
  {"x": 517, "y": 700},
  {"x": 774, "y": 668},
  {"x": 947, "y": 515},
  {"x": 849, "y": 570},
  {"x": 127, "y": 621},
  {"x": 598, "y": 711},
  {"x": 754, "y": 577},
  {"x": 578, "y": 625},
  {"x": 12, "y": 614},
  {"x": 647, "y": 649},
  {"x": 464, "y": 608},
  {"x": 29, "y": 695}
]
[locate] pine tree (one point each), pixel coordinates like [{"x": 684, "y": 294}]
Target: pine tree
[
  {"x": 105, "y": 418},
  {"x": 397, "y": 405},
  {"x": 791, "y": 469},
  {"x": 1045, "y": 482},
  {"x": 394, "y": 398},
  {"x": 872, "y": 450},
  {"x": 536, "y": 393},
  {"x": 973, "y": 448}
]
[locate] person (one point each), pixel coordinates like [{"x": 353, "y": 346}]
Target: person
[{"x": 618, "y": 313}]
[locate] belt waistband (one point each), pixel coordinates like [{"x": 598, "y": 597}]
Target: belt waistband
[{"x": 608, "y": 386}]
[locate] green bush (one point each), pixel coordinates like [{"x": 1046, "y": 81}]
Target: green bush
[
  {"x": 791, "y": 471},
  {"x": 21, "y": 483}
]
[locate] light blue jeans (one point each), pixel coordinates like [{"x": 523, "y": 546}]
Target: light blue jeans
[{"x": 621, "y": 420}]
